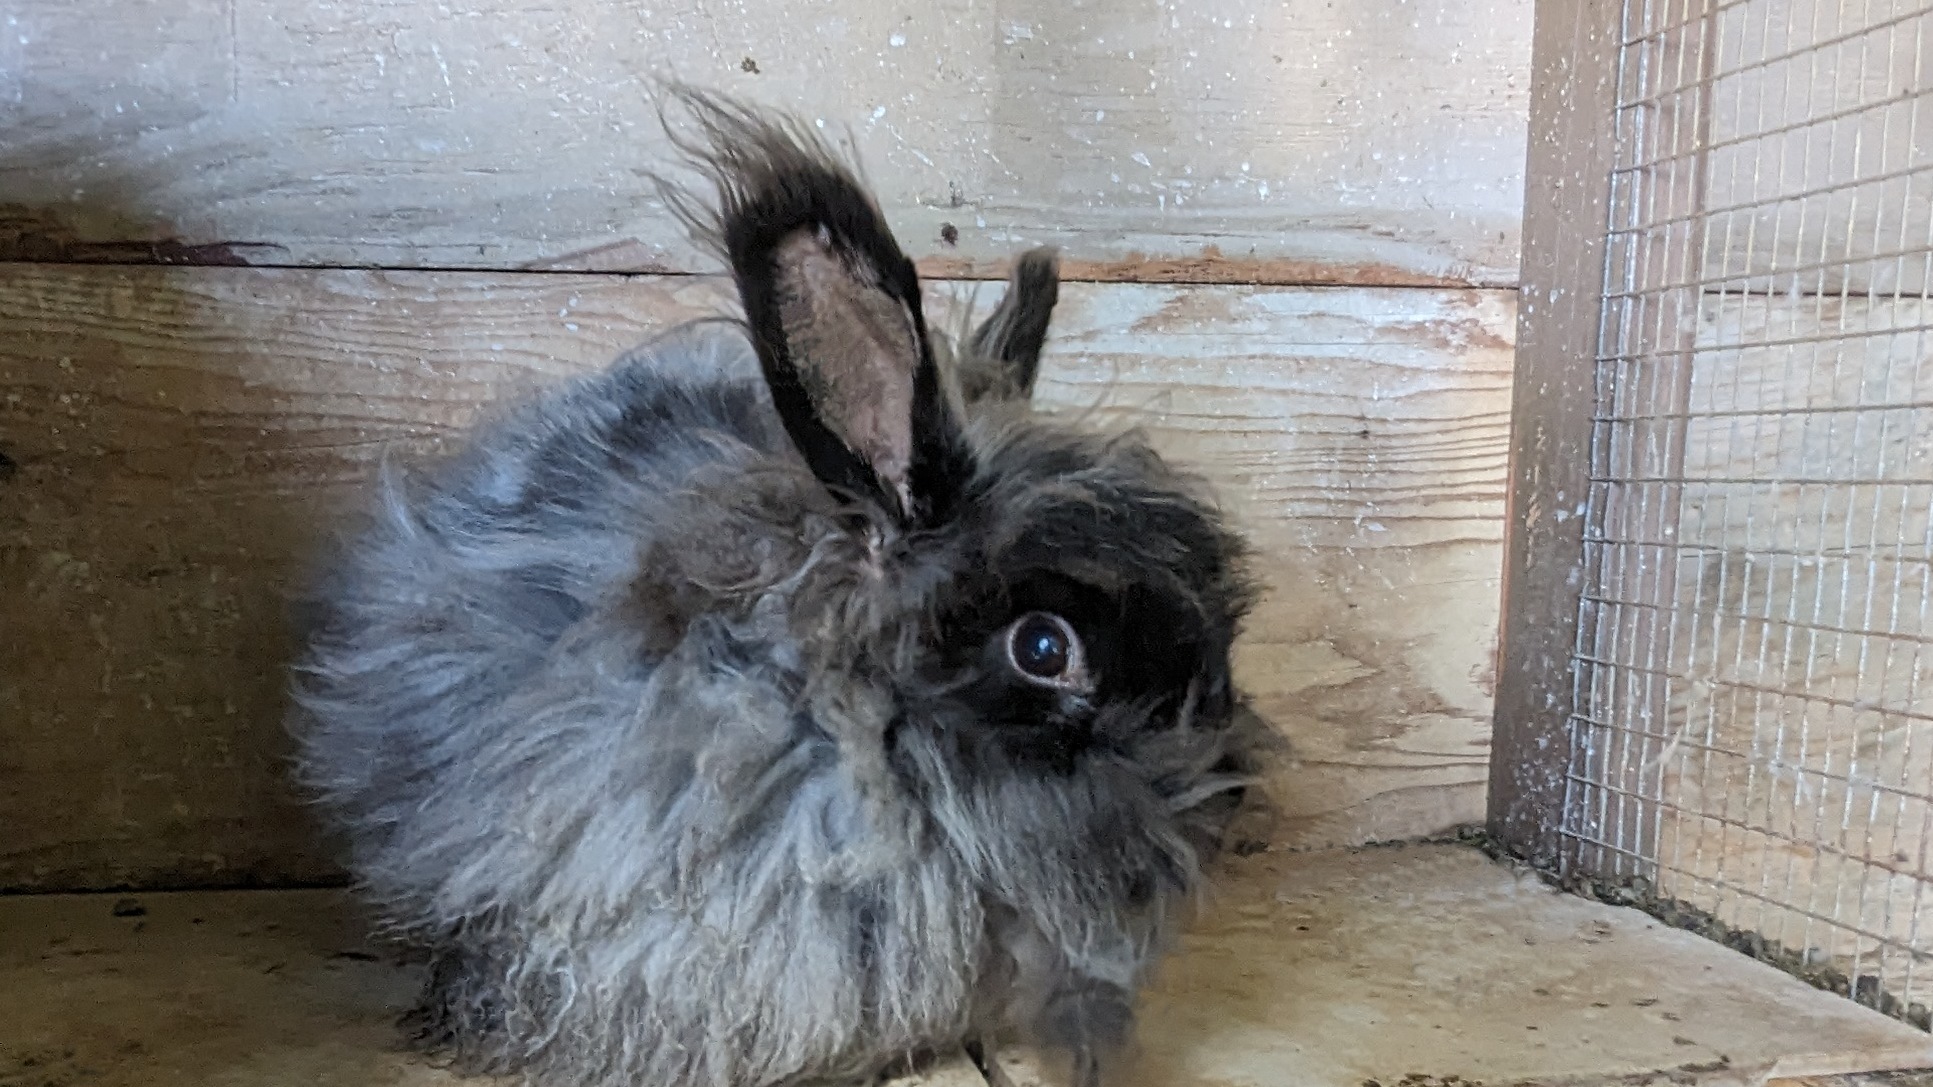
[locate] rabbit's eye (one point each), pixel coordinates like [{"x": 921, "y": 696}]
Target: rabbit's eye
[{"x": 1044, "y": 648}]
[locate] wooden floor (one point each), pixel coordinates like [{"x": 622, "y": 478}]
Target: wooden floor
[{"x": 1418, "y": 966}]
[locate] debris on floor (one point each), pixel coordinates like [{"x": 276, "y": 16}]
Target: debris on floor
[{"x": 1415, "y": 966}]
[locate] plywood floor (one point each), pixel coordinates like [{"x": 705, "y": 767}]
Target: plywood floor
[{"x": 1419, "y": 965}]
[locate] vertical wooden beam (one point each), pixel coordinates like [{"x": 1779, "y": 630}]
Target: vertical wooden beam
[{"x": 1572, "y": 151}]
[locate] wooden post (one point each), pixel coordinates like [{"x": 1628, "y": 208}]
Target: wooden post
[{"x": 1568, "y": 178}]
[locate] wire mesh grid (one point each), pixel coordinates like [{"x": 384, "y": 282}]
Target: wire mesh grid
[{"x": 1753, "y": 735}]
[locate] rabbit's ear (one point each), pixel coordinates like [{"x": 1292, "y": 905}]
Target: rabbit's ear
[
  {"x": 834, "y": 310},
  {"x": 1004, "y": 354},
  {"x": 846, "y": 354}
]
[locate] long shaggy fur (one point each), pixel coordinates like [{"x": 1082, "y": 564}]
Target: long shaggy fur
[{"x": 690, "y": 764}]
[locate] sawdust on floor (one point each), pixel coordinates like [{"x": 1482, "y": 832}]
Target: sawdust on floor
[{"x": 1421, "y": 966}]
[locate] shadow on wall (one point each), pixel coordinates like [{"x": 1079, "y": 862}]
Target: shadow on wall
[
  {"x": 59, "y": 203},
  {"x": 146, "y": 538},
  {"x": 178, "y": 440}
]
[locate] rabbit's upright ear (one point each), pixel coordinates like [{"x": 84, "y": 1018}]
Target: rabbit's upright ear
[
  {"x": 834, "y": 309},
  {"x": 1003, "y": 357}
]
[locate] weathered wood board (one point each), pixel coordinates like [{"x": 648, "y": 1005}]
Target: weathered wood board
[
  {"x": 1432, "y": 965},
  {"x": 178, "y": 438},
  {"x": 1573, "y": 97},
  {"x": 1375, "y": 141},
  {"x": 1426, "y": 965},
  {"x": 1360, "y": 437},
  {"x": 222, "y": 989}
]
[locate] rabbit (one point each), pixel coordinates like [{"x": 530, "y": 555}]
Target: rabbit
[{"x": 788, "y": 703}]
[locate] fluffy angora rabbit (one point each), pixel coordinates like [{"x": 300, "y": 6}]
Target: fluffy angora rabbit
[{"x": 786, "y": 704}]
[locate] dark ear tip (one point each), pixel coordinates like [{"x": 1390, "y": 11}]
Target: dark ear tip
[
  {"x": 774, "y": 175},
  {"x": 1038, "y": 267}
]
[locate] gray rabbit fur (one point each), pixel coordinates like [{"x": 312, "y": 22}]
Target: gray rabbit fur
[{"x": 786, "y": 704}]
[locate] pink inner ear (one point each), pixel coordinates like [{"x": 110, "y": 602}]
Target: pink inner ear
[{"x": 856, "y": 351}]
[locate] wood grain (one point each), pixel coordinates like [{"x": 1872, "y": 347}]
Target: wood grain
[
  {"x": 180, "y": 437},
  {"x": 237, "y": 988},
  {"x": 1377, "y": 142},
  {"x": 1554, "y": 394},
  {"x": 1360, "y": 437},
  {"x": 1429, "y": 966},
  {"x": 178, "y": 440},
  {"x": 1910, "y": 1078},
  {"x": 1320, "y": 970}
]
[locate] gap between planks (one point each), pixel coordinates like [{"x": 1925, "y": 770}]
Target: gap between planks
[{"x": 1166, "y": 273}]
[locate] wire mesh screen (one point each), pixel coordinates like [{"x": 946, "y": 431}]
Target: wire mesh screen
[{"x": 1754, "y": 736}]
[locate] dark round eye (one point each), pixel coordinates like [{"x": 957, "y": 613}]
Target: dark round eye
[{"x": 1043, "y": 647}]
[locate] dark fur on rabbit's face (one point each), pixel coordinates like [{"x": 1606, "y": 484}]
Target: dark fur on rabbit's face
[{"x": 786, "y": 702}]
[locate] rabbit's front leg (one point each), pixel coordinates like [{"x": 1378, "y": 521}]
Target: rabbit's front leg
[
  {"x": 1090, "y": 1020},
  {"x": 985, "y": 1059},
  {"x": 1056, "y": 1002}
]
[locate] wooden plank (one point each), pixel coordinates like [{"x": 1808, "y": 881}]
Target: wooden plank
[
  {"x": 180, "y": 435},
  {"x": 1319, "y": 970},
  {"x": 1907, "y": 1078},
  {"x": 1244, "y": 141},
  {"x": 1550, "y": 457},
  {"x": 1905, "y": 1066},
  {"x": 238, "y": 988},
  {"x": 1429, "y": 966},
  {"x": 179, "y": 438},
  {"x": 1359, "y": 436}
]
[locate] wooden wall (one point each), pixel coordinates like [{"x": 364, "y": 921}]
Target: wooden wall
[{"x": 249, "y": 243}]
